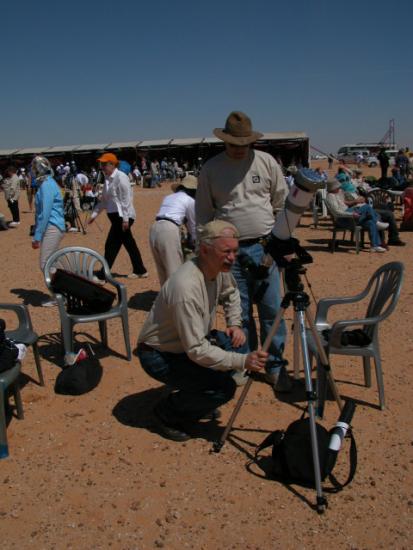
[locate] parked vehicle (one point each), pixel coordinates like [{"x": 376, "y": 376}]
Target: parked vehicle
[{"x": 372, "y": 160}]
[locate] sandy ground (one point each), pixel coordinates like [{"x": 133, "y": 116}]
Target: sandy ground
[{"x": 91, "y": 471}]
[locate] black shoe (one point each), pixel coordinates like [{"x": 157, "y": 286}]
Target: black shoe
[
  {"x": 396, "y": 242},
  {"x": 170, "y": 431},
  {"x": 212, "y": 415}
]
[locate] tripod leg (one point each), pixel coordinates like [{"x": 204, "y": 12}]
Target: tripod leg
[
  {"x": 296, "y": 348},
  {"x": 311, "y": 396},
  {"x": 217, "y": 446},
  {"x": 324, "y": 361}
]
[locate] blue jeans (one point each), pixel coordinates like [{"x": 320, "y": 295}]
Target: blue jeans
[
  {"x": 266, "y": 294},
  {"x": 200, "y": 390},
  {"x": 368, "y": 218}
]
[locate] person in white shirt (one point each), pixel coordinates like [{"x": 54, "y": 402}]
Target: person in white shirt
[
  {"x": 118, "y": 203},
  {"x": 176, "y": 210}
]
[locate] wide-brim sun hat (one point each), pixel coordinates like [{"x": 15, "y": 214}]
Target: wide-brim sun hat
[
  {"x": 189, "y": 182},
  {"x": 332, "y": 185},
  {"x": 238, "y": 130}
]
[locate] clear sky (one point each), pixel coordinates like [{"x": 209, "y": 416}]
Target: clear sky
[{"x": 103, "y": 71}]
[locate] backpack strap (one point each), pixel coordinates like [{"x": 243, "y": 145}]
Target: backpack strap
[
  {"x": 274, "y": 438},
  {"x": 338, "y": 486}
]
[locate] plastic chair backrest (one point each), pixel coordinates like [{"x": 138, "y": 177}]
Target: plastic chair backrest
[
  {"x": 76, "y": 259},
  {"x": 386, "y": 284}
]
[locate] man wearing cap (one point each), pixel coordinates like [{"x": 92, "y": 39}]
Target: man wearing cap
[
  {"x": 245, "y": 187},
  {"x": 176, "y": 345},
  {"x": 118, "y": 203},
  {"x": 176, "y": 210}
]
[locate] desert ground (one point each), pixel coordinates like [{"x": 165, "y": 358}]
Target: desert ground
[{"x": 91, "y": 472}]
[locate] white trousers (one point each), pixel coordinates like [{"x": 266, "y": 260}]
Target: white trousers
[
  {"x": 165, "y": 242},
  {"x": 50, "y": 243}
]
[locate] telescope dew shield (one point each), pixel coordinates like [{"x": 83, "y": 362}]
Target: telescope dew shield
[{"x": 306, "y": 183}]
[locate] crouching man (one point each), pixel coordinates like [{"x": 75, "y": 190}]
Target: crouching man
[{"x": 177, "y": 346}]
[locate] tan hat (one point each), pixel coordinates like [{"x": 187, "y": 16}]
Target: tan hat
[
  {"x": 238, "y": 130},
  {"x": 216, "y": 229},
  {"x": 332, "y": 185},
  {"x": 109, "y": 157},
  {"x": 189, "y": 182}
]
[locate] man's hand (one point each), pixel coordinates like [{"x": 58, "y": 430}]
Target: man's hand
[
  {"x": 125, "y": 226},
  {"x": 35, "y": 244},
  {"x": 256, "y": 360},
  {"x": 237, "y": 336}
]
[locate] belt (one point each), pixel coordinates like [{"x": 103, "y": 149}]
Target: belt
[
  {"x": 144, "y": 347},
  {"x": 258, "y": 240},
  {"x": 160, "y": 218}
]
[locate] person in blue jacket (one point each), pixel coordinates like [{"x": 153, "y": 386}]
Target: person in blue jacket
[{"x": 50, "y": 222}]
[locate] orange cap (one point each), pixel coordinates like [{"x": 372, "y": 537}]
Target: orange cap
[{"x": 109, "y": 157}]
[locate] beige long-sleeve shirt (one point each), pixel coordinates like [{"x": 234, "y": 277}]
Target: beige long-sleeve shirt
[
  {"x": 244, "y": 192},
  {"x": 184, "y": 312},
  {"x": 11, "y": 188}
]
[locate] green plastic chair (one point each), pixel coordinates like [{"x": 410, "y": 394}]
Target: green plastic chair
[{"x": 8, "y": 379}]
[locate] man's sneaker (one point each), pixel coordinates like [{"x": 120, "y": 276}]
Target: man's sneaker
[
  {"x": 49, "y": 303},
  {"x": 382, "y": 225},
  {"x": 14, "y": 224},
  {"x": 281, "y": 382},
  {"x": 396, "y": 242},
  {"x": 377, "y": 249},
  {"x": 240, "y": 377},
  {"x": 138, "y": 275},
  {"x": 73, "y": 230},
  {"x": 168, "y": 430}
]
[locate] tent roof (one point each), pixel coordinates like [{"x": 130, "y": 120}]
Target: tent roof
[
  {"x": 61, "y": 149},
  {"x": 187, "y": 141},
  {"x": 91, "y": 147},
  {"x": 154, "y": 142},
  {"x": 123, "y": 144},
  {"x": 32, "y": 151},
  {"x": 7, "y": 152}
]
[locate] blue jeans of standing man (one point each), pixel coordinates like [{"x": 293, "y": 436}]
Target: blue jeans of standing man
[
  {"x": 267, "y": 295},
  {"x": 200, "y": 390}
]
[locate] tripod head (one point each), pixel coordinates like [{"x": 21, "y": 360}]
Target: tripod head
[{"x": 294, "y": 268}]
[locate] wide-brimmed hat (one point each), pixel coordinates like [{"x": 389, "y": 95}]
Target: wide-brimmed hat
[
  {"x": 189, "y": 182},
  {"x": 332, "y": 185},
  {"x": 238, "y": 130}
]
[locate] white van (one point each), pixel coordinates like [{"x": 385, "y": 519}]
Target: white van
[{"x": 391, "y": 153}]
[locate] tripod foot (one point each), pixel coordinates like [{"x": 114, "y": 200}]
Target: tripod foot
[
  {"x": 217, "y": 446},
  {"x": 322, "y": 505}
]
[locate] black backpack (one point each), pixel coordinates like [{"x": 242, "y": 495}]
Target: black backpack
[
  {"x": 292, "y": 457},
  {"x": 8, "y": 350},
  {"x": 79, "y": 378}
]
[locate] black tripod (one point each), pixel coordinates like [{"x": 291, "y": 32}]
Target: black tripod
[
  {"x": 300, "y": 300},
  {"x": 72, "y": 215}
]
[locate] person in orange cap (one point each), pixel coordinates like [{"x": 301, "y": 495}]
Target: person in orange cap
[{"x": 118, "y": 203}]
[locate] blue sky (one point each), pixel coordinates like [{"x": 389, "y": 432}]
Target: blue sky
[{"x": 103, "y": 71}]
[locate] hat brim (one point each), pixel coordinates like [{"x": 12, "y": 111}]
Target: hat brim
[
  {"x": 333, "y": 185},
  {"x": 235, "y": 140},
  {"x": 189, "y": 185}
]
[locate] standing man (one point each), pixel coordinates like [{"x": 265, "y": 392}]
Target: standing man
[
  {"x": 11, "y": 188},
  {"x": 384, "y": 162},
  {"x": 176, "y": 344},
  {"x": 118, "y": 203},
  {"x": 246, "y": 187}
]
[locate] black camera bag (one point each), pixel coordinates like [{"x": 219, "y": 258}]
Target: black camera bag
[
  {"x": 79, "y": 378},
  {"x": 292, "y": 457},
  {"x": 8, "y": 350},
  {"x": 84, "y": 297}
]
